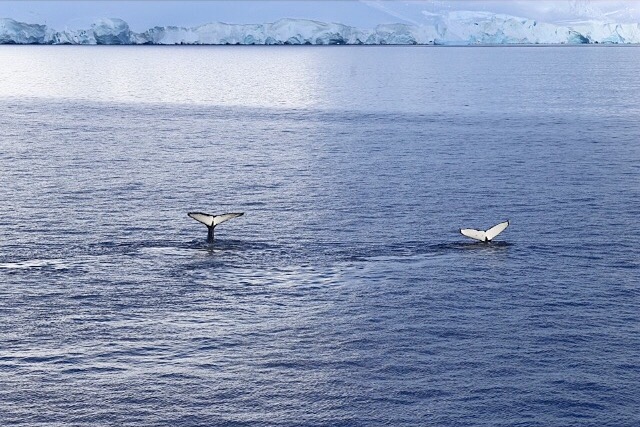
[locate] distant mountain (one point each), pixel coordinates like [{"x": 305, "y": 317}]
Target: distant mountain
[{"x": 451, "y": 28}]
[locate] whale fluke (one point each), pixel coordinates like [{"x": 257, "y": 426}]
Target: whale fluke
[
  {"x": 212, "y": 220},
  {"x": 485, "y": 236}
]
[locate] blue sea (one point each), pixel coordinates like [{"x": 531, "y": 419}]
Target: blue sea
[{"x": 345, "y": 296}]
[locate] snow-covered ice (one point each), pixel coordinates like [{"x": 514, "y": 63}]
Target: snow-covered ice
[{"x": 452, "y": 28}]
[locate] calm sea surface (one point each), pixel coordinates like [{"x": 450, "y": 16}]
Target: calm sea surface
[{"x": 345, "y": 295}]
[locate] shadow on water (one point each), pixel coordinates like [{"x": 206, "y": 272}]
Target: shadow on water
[
  {"x": 229, "y": 245},
  {"x": 471, "y": 246}
]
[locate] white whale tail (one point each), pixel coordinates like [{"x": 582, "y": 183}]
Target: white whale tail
[
  {"x": 485, "y": 236},
  {"x": 212, "y": 220}
]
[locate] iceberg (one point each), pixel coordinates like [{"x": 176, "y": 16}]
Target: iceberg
[
  {"x": 12, "y": 32},
  {"x": 450, "y": 28}
]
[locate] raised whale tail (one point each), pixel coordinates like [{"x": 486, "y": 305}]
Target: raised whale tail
[
  {"x": 485, "y": 236},
  {"x": 212, "y": 220}
]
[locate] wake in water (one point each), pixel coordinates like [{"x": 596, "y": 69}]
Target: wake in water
[{"x": 54, "y": 264}]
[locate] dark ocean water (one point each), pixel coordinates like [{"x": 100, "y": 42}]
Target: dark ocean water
[{"x": 345, "y": 295}]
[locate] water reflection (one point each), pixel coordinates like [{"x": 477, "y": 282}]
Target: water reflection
[
  {"x": 193, "y": 75},
  {"x": 409, "y": 79}
]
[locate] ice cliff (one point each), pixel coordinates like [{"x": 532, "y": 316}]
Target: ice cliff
[{"x": 453, "y": 28}]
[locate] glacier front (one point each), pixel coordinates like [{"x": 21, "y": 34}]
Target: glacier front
[{"x": 452, "y": 28}]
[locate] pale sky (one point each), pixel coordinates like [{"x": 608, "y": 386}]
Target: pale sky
[{"x": 142, "y": 15}]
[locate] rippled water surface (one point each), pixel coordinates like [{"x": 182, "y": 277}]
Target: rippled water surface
[{"x": 345, "y": 295}]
